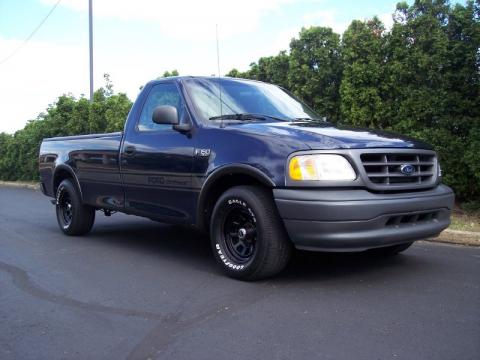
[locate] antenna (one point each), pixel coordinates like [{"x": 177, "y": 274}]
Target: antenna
[{"x": 222, "y": 125}]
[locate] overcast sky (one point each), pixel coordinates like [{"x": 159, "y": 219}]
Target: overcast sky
[{"x": 136, "y": 41}]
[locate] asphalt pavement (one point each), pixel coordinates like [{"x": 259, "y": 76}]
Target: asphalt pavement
[{"x": 137, "y": 289}]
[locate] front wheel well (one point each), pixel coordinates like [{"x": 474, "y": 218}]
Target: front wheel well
[{"x": 217, "y": 188}]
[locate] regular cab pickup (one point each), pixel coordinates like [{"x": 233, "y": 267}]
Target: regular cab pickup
[{"x": 254, "y": 167}]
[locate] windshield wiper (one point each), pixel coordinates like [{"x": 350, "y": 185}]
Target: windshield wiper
[
  {"x": 305, "y": 119},
  {"x": 245, "y": 117}
]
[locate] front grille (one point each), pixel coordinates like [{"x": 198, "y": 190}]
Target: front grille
[
  {"x": 412, "y": 219},
  {"x": 383, "y": 169}
]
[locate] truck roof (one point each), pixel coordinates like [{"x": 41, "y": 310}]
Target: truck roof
[{"x": 179, "y": 78}]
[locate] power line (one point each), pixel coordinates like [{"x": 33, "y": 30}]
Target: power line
[{"x": 32, "y": 33}]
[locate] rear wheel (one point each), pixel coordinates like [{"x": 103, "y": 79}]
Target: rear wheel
[
  {"x": 390, "y": 250},
  {"x": 248, "y": 238},
  {"x": 73, "y": 217}
]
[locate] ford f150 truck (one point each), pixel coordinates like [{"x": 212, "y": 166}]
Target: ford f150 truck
[{"x": 254, "y": 167}]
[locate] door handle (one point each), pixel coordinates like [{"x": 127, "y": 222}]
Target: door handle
[{"x": 129, "y": 150}]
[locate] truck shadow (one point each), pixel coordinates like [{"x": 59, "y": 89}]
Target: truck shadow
[
  {"x": 191, "y": 248},
  {"x": 323, "y": 265}
]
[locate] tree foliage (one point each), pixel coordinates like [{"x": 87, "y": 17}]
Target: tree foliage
[
  {"x": 67, "y": 116},
  {"x": 433, "y": 67},
  {"x": 363, "y": 90},
  {"x": 272, "y": 69},
  {"x": 316, "y": 69},
  {"x": 169, "y": 74}
]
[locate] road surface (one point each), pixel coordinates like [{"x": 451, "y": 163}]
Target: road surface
[{"x": 136, "y": 289}]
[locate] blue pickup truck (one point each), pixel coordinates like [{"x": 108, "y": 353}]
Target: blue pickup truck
[{"x": 254, "y": 167}]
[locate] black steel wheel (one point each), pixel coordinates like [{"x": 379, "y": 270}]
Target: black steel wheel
[
  {"x": 65, "y": 205},
  {"x": 240, "y": 233},
  {"x": 73, "y": 217},
  {"x": 248, "y": 238}
]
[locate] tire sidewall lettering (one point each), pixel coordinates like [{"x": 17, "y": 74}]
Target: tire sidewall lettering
[
  {"x": 237, "y": 201},
  {"x": 226, "y": 261},
  {"x": 59, "y": 193},
  {"x": 234, "y": 201}
]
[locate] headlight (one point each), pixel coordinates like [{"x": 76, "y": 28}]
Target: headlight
[{"x": 320, "y": 167}]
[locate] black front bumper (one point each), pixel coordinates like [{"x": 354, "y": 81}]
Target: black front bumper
[{"x": 355, "y": 220}]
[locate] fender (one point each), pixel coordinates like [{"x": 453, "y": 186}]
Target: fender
[
  {"x": 67, "y": 168},
  {"x": 243, "y": 169}
]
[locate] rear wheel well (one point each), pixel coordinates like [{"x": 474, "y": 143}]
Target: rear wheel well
[
  {"x": 60, "y": 175},
  {"x": 217, "y": 188}
]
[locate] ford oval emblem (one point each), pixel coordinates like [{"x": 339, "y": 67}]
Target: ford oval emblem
[{"x": 407, "y": 169}]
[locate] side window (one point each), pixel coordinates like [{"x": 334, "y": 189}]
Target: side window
[{"x": 160, "y": 94}]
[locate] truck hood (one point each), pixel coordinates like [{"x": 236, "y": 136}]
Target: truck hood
[{"x": 324, "y": 135}]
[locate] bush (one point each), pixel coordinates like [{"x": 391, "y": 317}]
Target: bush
[{"x": 68, "y": 116}]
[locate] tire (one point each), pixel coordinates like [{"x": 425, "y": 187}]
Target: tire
[
  {"x": 390, "y": 250},
  {"x": 73, "y": 217},
  {"x": 247, "y": 235}
]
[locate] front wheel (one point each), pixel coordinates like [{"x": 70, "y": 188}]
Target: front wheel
[
  {"x": 73, "y": 217},
  {"x": 247, "y": 235}
]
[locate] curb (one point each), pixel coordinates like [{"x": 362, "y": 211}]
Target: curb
[
  {"x": 19, "y": 184},
  {"x": 468, "y": 238}
]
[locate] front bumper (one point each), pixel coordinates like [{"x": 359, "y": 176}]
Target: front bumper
[{"x": 356, "y": 220}]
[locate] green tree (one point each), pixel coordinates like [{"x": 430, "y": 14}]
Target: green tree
[
  {"x": 316, "y": 70},
  {"x": 117, "y": 109},
  {"x": 462, "y": 81},
  {"x": 417, "y": 59},
  {"x": 67, "y": 116},
  {"x": 108, "y": 85},
  {"x": 169, "y": 74},
  {"x": 6, "y": 170},
  {"x": 272, "y": 69},
  {"x": 433, "y": 65},
  {"x": 236, "y": 74},
  {"x": 362, "y": 90}
]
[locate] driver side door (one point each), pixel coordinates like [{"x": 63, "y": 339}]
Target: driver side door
[{"x": 157, "y": 162}]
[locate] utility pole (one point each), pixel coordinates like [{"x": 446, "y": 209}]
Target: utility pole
[{"x": 90, "y": 36}]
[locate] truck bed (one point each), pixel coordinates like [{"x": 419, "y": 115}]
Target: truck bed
[{"x": 93, "y": 158}]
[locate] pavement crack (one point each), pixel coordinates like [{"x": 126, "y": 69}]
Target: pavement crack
[
  {"x": 172, "y": 326},
  {"x": 22, "y": 281}
]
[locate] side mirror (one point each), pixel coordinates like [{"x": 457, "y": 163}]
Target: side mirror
[{"x": 165, "y": 114}]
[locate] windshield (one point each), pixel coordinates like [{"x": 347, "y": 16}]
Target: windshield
[{"x": 244, "y": 97}]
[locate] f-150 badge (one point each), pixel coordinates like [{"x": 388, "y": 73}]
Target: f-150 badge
[{"x": 202, "y": 152}]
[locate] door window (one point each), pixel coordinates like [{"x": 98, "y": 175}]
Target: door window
[{"x": 160, "y": 94}]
